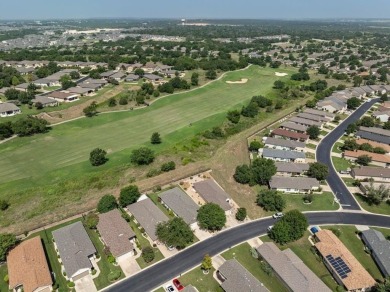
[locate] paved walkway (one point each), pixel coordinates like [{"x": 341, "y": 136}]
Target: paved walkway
[{"x": 218, "y": 261}]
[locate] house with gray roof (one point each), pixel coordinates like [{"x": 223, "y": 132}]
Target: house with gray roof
[
  {"x": 283, "y": 155},
  {"x": 116, "y": 233},
  {"x": 180, "y": 204},
  {"x": 131, "y": 78},
  {"x": 331, "y": 105},
  {"x": 291, "y": 168},
  {"x": 378, "y": 174},
  {"x": 294, "y": 184},
  {"x": 290, "y": 269},
  {"x": 75, "y": 249},
  {"x": 305, "y": 122},
  {"x": 211, "y": 192},
  {"x": 82, "y": 91},
  {"x": 294, "y": 127},
  {"x": 324, "y": 114},
  {"x": 44, "y": 100},
  {"x": 8, "y": 109},
  {"x": 107, "y": 75},
  {"x": 283, "y": 144},
  {"x": 235, "y": 277},
  {"x": 148, "y": 215},
  {"x": 312, "y": 117},
  {"x": 152, "y": 77},
  {"x": 118, "y": 76},
  {"x": 375, "y": 130},
  {"x": 373, "y": 137},
  {"x": 379, "y": 247}
]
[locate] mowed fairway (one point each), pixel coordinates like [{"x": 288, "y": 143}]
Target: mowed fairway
[{"x": 38, "y": 157}]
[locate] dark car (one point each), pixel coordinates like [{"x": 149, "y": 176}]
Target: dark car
[{"x": 177, "y": 284}]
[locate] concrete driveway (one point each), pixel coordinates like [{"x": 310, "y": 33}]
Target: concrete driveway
[
  {"x": 85, "y": 284},
  {"x": 128, "y": 264}
]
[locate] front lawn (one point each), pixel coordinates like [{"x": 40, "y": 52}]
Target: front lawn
[
  {"x": 349, "y": 181},
  {"x": 202, "y": 282},
  {"x": 336, "y": 147},
  {"x": 242, "y": 253},
  {"x": 383, "y": 208},
  {"x": 311, "y": 146},
  {"x": 324, "y": 201},
  {"x": 341, "y": 163}
]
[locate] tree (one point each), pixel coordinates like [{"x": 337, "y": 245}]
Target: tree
[
  {"x": 255, "y": 145},
  {"x": 367, "y": 122},
  {"x": 148, "y": 254},
  {"x": 311, "y": 103},
  {"x": 155, "y": 139},
  {"x": 241, "y": 214},
  {"x": 211, "y": 74},
  {"x": 15, "y": 81},
  {"x": 270, "y": 200},
  {"x": 234, "y": 116},
  {"x": 350, "y": 144},
  {"x": 357, "y": 81},
  {"x": 98, "y": 157},
  {"x": 243, "y": 174},
  {"x": 6, "y": 130},
  {"x": 111, "y": 102},
  {"x": 313, "y": 132},
  {"x": 251, "y": 110},
  {"x": 211, "y": 217},
  {"x": 140, "y": 72},
  {"x": 68, "y": 84},
  {"x": 386, "y": 125},
  {"x": 290, "y": 227},
  {"x": 129, "y": 195},
  {"x": 38, "y": 105},
  {"x": 194, "y": 79},
  {"x": 91, "y": 220},
  {"x": 353, "y": 103},
  {"x": 4, "y": 204},
  {"x": 74, "y": 75},
  {"x": 382, "y": 287},
  {"x": 351, "y": 128},
  {"x": 363, "y": 160},
  {"x": 168, "y": 166},
  {"x": 142, "y": 156},
  {"x": 90, "y": 110},
  {"x": 12, "y": 94},
  {"x": 377, "y": 195},
  {"x": 262, "y": 170},
  {"x": 318, "y": 170},
  {"x": 29, "y": 126},
  {"x": 107, "y": 203},
  {"x": 207, "y": 263},
  {"x": 278, "y": 84},
  {"x": 7, "y": 242},
  {"x": 175, "y": 232}
]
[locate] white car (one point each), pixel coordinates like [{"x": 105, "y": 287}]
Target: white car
[
  {"x": 277, "y": 215},
  {"x": 170, "y": 288},
  {"x": 270, "y": 228}
]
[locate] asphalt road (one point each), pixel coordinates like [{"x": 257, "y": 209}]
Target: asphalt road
[
  {"x": 160, "y": 273},
  {"x": 323, "y": 154}
]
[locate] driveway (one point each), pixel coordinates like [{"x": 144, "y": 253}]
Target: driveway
[
  {"x": 85, "y": 284},
  {"x": 128, "y": 264}
]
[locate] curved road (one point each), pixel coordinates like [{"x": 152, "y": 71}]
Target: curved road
[
  {"x": 323, "y": 154},
  {"x": 160, "y": 273}
]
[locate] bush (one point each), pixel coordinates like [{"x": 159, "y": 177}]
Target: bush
[
  {"x": 111, "y": 102},
  {"x": 148, "y": 254},
  {"x": 114, "y": 275},
  {"x": 123, "y": 100},
  {"x": 270, "y": 200},
  {"x": 71, "y": 284},
  {"x": 168, "y": 166},
  {"x": 241, "y": 214},
  {"x": 290, "y": 227},
  {"x": 111, "y": 259},
  {"x": 107, "y": 203},
  {"x": 129, "y": 195},
  {"x": 255, "y": 145},
  {"x": 6, "y": 278},
  {"x": 142, "y": 156},
  {"x": 308, "y": 198},
  {"x": 153, "y": 172},
  {"x": 91, "y": 220},
  {"x": 4, "y": 205},
  {"x": 98, "y": 157}
]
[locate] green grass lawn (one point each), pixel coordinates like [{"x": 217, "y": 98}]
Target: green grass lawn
[
  {"x": 341, "y": 163},
  {"x": 204, "y": 283},
  {"x": 349, "y": 181},
  {"x": 324, "y": 201},
  {"x": 310, "y": 155},
  {"x": 356, "y": 247},
  {"x": 302, "y": 249},
  {"x": 323, "y": 132},
  {"x": 311, "y": 146},
  {"x": 243, "y": 255},
  {"x": 383, "y": 208},
  {"x": 161, "y": 289},
  {"x": 3, "y": 272},
  {"x": 336, "y": 147},
  {"x": 385, "y": 231}
]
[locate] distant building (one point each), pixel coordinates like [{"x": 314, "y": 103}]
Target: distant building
[{"x": 8, "y": 109}]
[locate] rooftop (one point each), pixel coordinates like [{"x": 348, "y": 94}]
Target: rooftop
[
  {"x": 380, "y": 246},
  {"x": 297, "y": 183},
  {"x": 284, "y": 143},
  {"x": 290, "y": 134},
  {"x": 285, "y": 154},
  {"x": 371, "y": 171},
  {"x": 374, "y": 156},
  {"x": 211, "y": 192}
]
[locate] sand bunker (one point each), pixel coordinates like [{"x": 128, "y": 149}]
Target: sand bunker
[
  {"x": 280, "y": 74},
  {"x": 242, "y": 81}
]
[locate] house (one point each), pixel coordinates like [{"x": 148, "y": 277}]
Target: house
[
  {"x": 282, "y": 144},
  {"x": 24, "y": 70},
  {"x": 76, "y": 250},
  {"x": 379, "y": 248},
  {"x": 107, "y": 75},
  {"x": 315, "y": 118},
  {"x": 22, "y": 87},
  {"x": 131, "y": 78},
  {"x": 8, "y": 109},
  {"x": 290, "y": 126},
  {"x": 95, "y": 81},
  {"x": 148, "y": 215},
  {"x": 118, "y": 76},
  {"x": 323, "y": 114},
  {"x": 285, "y": 134},
  {"x": 381, "y": 160},
  {"x": 116, "y": 233},
  {"x": 28, "y": 269},
  {"x": 45, "y": 82},
  {"x": 153, "y": 77},
  {"x": 235, "y": 277},
  {"x": 294, "y": 184},
  {"x": 344, "y": 267},
  {"x": 80, "y": 91},
  {"x": 375, "y": 130},
  {"x": 383, "y": 116},
  {"x": 125, "y": 67},
  {"x": 44, "y": 100},
  {"x": 305, "y": 122},
  {"x": 374, "y": 144},
  {"x": 373, "y": 137},
  {"x": 211, "y": 192},
  {"x": 170, "y": 73},
  {"x": 150, "y": 67},
  {"x": 291, "y": 168},
  {"x": 62, "y": 96},
  {"x": 332, "y": 104},
  {"x": 283, "y": 155},
  {"x": 378, "y": 174},
  {"x": 90, "y": 86},
  {"x": 180, "y": 204},
  {"x": 290, "y": 269}
]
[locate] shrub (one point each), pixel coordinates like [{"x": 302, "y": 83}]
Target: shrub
[
  {"x": 153, "y": 172},
  {"x": 142, "y": 156},
  {"x": 114, "y": 275},
  {"x": 241, "y": 214},
  {"x": 91, "y": 220},
  {"x": 4, "y": 205},
  {"x": 6, "y": 278},
  {"x": 308, "y": 198},
  {"x": 111, "y": 259},
  {"x": 270, "y": 200},
  {"x": 129, "y": 195},
  {"x": 71, "y": 284},
  {"x": 107, "y": 203},
  {"x": 168, "y": 166},
  {"x": 148, "y": 254}
]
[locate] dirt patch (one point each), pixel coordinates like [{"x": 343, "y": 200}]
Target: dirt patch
[
  {"x": 242, "y": 81},
  {"x": 280, "y": 74}
]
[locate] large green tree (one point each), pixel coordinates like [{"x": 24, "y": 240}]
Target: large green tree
[
  {"x": 129, "y": 195},
  {"x": 290, "y": 227},
  {"x": 262, "y": 170},
  {"x": 107, "y": 203},
  {"x": 98, "y": 157},
  {"x": 142, "y": 156},
  {"x": 313, "y": 132},
  {"x": 353, "y": 103},
  {"x": 175, "y": 232},
  {"x": 270, "y": 200},
  {"x": 211, "y": 217},
  {"x": 155, "y": 138},
  {"x": 318, "y": 170}
]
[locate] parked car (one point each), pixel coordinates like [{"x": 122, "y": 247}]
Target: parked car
[
  {"x": 177, "y": 284},
  {"x": 170, "y": 288},
  {"x": 277, "y": 215},
  {"x": 270, "y": 228}
]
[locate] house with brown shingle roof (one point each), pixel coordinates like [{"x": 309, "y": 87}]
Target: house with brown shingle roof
[
  {"x": 374, "y": 144},
  {"x": 343, "y": 266},
  {"x": 378, "y": 174},
  {"x": 290, "y": 135},
  {"x": 377, "y": 159},
  {"x": 116, "y": 233},
  {"x": 28, "y": 268}
]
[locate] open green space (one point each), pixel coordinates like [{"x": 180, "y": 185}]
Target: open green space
[
  {"x": 336, "y": 147},
  {"x": 3, "y": 272},
  {"x": 302, "y": 248},
  {"x": 341, "y": 163},
  {"x": 355, "y": 245},
  {"x": 324, "y": 201},
  {"x": 242, "y": 253},
  {"x": 349, "y": 181},
  {"x": 204, "y": 283},
  {"x": 383, "y": 208}
]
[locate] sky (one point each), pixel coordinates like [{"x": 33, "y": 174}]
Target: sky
[{"x": 253, "y": 9}]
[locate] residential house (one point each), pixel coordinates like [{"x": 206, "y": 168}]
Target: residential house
[
  {"x": 283, "y": 144},
  {"x": 285, "y": 134},
  {"x": 107, "y": 75},
  {"x": 45, "y": 82},
  {"x": 365, "y": 186},
  {"x": 125, "y": 67},
  {"x": 62, "y": 96},
  {"x": 118, "y": 76},
  {"x": 150, "y": 68},
  {"x": 315, "y": 118},
  {"x": 383, "y": 116},
  {"x": 155, "y": 79},
  {"x": 331, "y": 105},
  {"x": 344, "y": 267},
  {"x": 376, "y": 159},
  {"x": 101, "y": 82},
  {"x": 379, "y": 248},
  {"x": 283, "y": 155},
  {"x": 24, "y": 70},
  {"x": 180, "y": 204},
  {"x": 44, "y": 100},
  {"x": 373, "y": 137},
  {"x": 375, "y": 130},
  {"x": 290, "y": 126},
  {"x": 374, "y": 144},
  {"x": 22, "y": 87},
  {"x": 291, "y": 168},
  {"x": 8, "y": 109},
  {"x": 305, "y": 122},
  {"x": 294, "y": 184},
  {"x": 378, "y": 174},
  {"x": 148, "y": 215},
  {"x": 323, "y": 114},
  {"x": 94, "y": 86},
  {"x": 369, "y": 91},
  {"x": 116, "y": 233},
  {"x": 131, "y": 78},
  {"x": 80, "y": 91},
  {"x": 211, "y": 192},
  {"x": 235, "y": 277},
  {"x": 290, "y": 269},
  {"x": 76, "y": 250},
  {"x": 28, "y": 269}
]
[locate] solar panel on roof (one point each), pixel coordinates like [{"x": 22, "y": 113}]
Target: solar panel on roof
[{"x": 339, "y": 266}]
